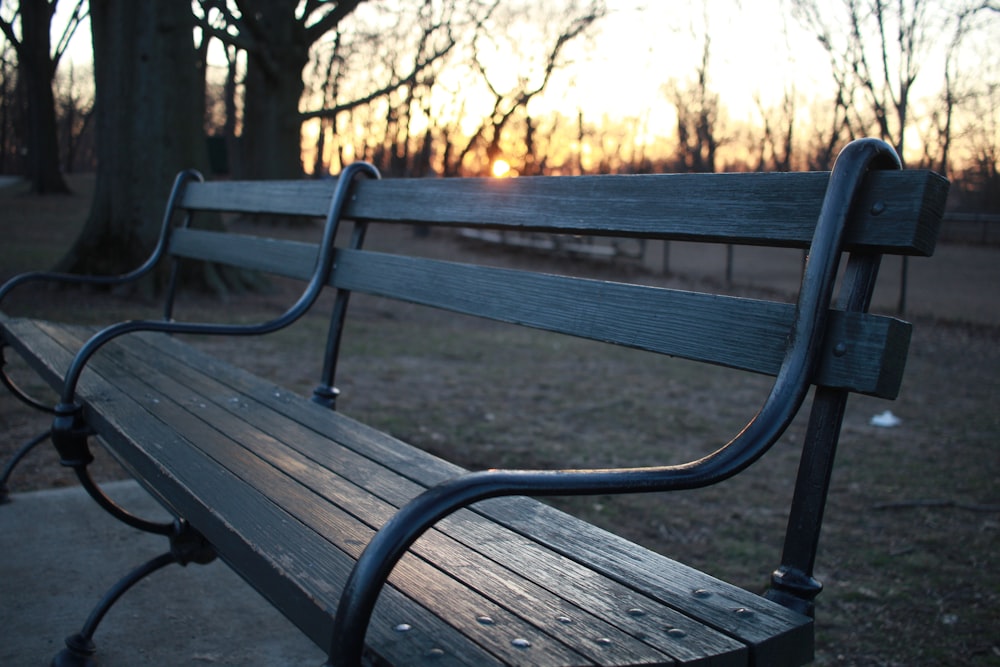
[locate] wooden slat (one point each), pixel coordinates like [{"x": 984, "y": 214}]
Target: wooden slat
[
  {"x": 741, "y": 333},
  {"x": 249, "y": 418},
  {"x": 290, "y": 259},
  {"x": 675, "y": 582},
  {"x": 203, "y": 410},
  {"x": 777, "y": 209}
]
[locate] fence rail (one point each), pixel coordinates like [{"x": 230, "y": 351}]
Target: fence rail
[{"x": 971, "y": 228}]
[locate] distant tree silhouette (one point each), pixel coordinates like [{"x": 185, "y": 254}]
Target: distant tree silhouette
[
  {"x": 37, "y": 64},
  {"x": 276, "y": 36},
  {"x": 698, "y": 118}
]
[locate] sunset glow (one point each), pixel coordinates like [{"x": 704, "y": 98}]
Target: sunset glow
[{"x": 501, "y": 169}]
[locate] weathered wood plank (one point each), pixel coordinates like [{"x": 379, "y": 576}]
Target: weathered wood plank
[
  {"x": 541, "y": 573},
  {"x": 735, "y": 332},
  {"x": 773, "y": 209},
  {"x": 290, "y": 259},
  {"x": 746, "y": 334},
  {"x": 677, "y": 581},
  {"x": 213, "y": 369},
  {"x": 293, "y": 565}
]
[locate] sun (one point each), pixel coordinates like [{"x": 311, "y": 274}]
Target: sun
[{"x": 500, "y": 168}]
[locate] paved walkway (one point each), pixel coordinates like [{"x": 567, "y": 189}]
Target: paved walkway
[{"x": 59, "y": 552}]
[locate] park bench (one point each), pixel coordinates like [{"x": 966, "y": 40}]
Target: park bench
[{"x": 381, "y": 552}]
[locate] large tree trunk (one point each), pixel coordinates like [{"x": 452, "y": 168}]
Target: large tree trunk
[
  {"x": 149, "y": 127},
  {"x": 38, "y": 71},
  {"x": 272, "y": 126}
]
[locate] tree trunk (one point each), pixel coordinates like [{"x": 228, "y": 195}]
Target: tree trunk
[
  {"x": 149, "y": 127},
  {"x": 38, "y": 70},
  {"x": 272, "y": 126}
]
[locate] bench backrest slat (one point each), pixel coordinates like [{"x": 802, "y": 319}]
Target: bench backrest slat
[
  {"x": 735, "y": 332},
  {"x": 778, "y": 209},
  {"x": 746, "y": 334},
  {"x": 897, "y": 212}
]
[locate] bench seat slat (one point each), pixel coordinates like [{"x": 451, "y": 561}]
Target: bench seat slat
[
  {"x": 747, "y": 334},
  {"x": 307, "y": 452},
  {"x": 241, "y": 505},
  {"x": 234, "y": 515},
  {"x": 774, "y": 209},
  {"x": 540, "y": 604},
  {"x": 677, "y": 581}
]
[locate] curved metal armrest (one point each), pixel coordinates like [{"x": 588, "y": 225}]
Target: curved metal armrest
[
  {"x": 320, "y": 277},
  {"x": 790, "y": 387},
  {"x": 176, "y": 191}
]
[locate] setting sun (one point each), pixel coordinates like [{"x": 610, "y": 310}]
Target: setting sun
[{"x": 501, "y": 168}]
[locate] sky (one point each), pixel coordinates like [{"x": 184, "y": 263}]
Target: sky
[
  {"x": 641, "y": 45},
  {"x": 756, "y": 49}
]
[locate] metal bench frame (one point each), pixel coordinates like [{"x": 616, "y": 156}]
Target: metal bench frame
[{"x": 812, "y": 347}]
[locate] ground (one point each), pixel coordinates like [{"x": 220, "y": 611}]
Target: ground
[{"x": 908, "y": 554}]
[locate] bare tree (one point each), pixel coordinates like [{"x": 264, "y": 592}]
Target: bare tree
[
  {"x": 878, "y": 54},
  {"x": 74, "y": 96},
  {"x": 29, "y": 33},
  {"x": 389, "y": 73},
  {"x": 698, "y": 117},
  {"x": 9, "y": 103},
  {"x": 565, "y": 23},
  {"x": 776, "y": 145},
  {"x": 277, "y": 36}
]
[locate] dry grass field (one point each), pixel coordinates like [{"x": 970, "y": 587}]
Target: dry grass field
[{"x": 909, "y": 550}]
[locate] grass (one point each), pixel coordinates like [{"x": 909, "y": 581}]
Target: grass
[{"x": 908, "y": 554}]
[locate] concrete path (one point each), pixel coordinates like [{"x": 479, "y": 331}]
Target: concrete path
[{"x": 59, "y": 553}]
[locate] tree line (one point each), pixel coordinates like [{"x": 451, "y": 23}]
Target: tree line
[{"x": 447, "y": 88}]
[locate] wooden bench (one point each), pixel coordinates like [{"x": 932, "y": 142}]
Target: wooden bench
[{"x": 290, "y": 493}]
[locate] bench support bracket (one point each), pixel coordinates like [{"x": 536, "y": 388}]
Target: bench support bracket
[
  {"x": 30, "y": 401},
  {"x": 15, "y": 459},
  {"x": 186, "y": 546}
]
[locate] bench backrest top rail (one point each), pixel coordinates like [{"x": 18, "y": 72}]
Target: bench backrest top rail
[{"x": 898, "y": 212}]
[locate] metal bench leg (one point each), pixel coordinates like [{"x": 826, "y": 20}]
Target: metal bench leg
[
  {"x": 23, "y": 396},
  {"x": 186, "y": 546},
  {"x": 70, "y": 434},
  {"x": 15, "y": 459}
]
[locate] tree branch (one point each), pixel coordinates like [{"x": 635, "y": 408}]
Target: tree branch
[
  {"x": 329, "y": 20},
  {"x": 239, "y": 40},
  {"x": 407, "y": 80},
  {"x": 79, "y": 13},
  {"x": 7, "y": 28}
]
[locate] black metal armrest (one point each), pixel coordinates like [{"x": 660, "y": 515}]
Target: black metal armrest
[
  {"x": 791, "y": 385},
  {"x": 320, "y": 277}
]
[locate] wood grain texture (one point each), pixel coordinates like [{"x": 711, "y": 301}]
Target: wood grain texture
[
  {"x": 742, "y": 333},
  {"x": 256, "y": 477},
  {"x": 777, "y": 209}
]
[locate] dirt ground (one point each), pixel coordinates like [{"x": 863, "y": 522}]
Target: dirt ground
[{"x": 908, "y": 554}]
